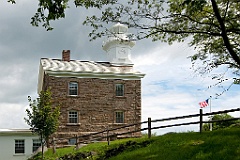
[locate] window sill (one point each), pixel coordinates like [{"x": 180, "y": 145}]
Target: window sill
[
  {"x": 121, "y": 97},
  {"x": 73, "y": 95},
  {"x": 73, "y": 124},
  {"x": 119, "y": 123},
  {"x": 19, "y": 154}
]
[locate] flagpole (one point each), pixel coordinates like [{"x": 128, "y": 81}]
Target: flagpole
[{"x": 210, "y": 106}]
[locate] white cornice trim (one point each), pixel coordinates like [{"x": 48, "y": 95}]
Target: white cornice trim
[{"x": 125, "y": 76}]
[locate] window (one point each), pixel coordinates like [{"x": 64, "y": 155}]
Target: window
[
  {"x": 72, "y": 141},
  {"x": 19, "y": 146},
  {"x": 73, "y": 117},
  {"x": 119, "y": 117},
  {"x": 73, "y": 88},
  {"x": 36, "y": 144},
  {"x": 119, "y": 89}
]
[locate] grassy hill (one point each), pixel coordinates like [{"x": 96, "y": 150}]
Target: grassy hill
[{"x": 216, "y": 145}]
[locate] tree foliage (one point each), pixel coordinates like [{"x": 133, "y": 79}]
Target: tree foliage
[
  {"x": 220, "y": 124},
  {"x": 42, "y": 117},
  {"x": 212, "y": 26},
  {"x": 12, "y": 1}
]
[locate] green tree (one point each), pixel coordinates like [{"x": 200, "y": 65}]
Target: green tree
[
  {"x": 42, "y": 117},
  {"x": 220, "y": 124}
]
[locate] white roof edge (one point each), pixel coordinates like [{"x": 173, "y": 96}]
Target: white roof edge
[
  {"x": 125, "y": 76},
  {"x": 40, "y": 78},
  {"x": 15, "y": 131}
]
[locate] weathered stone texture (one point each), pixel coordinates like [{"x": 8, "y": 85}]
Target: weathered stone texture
[{"x": 96, "y": 103}]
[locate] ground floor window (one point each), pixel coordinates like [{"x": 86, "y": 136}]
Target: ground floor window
[
  {"x": 72, "y": 141},
  {"x": 36, "y": 144},
  {"x": 19, "y": 146},
  {"x": 72, "y": 117},
  {"x": 119, "y": 117}
]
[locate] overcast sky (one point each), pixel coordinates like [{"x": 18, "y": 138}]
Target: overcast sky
[{"x": 170, "y": 87}]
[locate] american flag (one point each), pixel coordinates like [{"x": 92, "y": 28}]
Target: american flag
[{"x": 203, "y": 104}]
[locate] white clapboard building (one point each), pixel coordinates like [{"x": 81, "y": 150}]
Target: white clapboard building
[{"x": 17, "y": 144}]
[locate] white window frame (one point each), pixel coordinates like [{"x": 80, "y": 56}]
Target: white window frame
[
  {"x": 73, "y": 88},
  {"x": 71, "y": 116},
  {"x": 119, "y": 90},
  {"x": 36, "y": 143},
  {"x": 119, "y": 118},
  {"x": 19, "y": 146}
]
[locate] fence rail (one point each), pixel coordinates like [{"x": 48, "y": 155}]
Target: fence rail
[{"x": 109, "y": 132}]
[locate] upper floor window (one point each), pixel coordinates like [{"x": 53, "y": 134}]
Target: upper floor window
[
  {"x": 73, "y": 88},
  {"x": 19, "y": 146},
  {"x": 119, "y": 117},
  {"x": 119, "y": 90},
  {"x": 72, "y": 117},
  {"x": 36, "y": 144}
]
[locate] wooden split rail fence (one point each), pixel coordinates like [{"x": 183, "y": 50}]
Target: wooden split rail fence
[{"x": 111, "y": 133}]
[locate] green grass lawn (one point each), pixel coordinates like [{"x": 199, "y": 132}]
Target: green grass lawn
[{"x": 216, "y": 145}]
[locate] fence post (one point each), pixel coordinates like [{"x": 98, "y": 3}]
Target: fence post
[
  {"x": 76, "y": 136},
  {"x": 108, "y": 139},
  {"x": 201, "y": 120},
  {"x": 149, "y": 127},
  {"x": 54, "y": 145}
]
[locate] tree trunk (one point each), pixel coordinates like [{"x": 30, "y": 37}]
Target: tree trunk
[
  {"x": 233, "y": 54},
  {"x": 42, "y": 143}
]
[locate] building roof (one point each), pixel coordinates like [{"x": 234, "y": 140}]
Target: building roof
[
  {"x": 85, "y": 69},
  {"x": 15, "y": 132}
]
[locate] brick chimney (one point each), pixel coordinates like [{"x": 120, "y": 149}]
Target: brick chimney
[{"x": 66, "y": 55}]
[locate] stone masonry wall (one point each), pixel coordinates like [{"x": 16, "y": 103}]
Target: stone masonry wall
[{"x": 96, "y": 104}]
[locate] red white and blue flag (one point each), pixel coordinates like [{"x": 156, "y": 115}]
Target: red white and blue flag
[{"x": 204, "y": 103}]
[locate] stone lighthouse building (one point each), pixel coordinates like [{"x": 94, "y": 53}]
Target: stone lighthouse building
[{"x": 95, "y": 95}]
